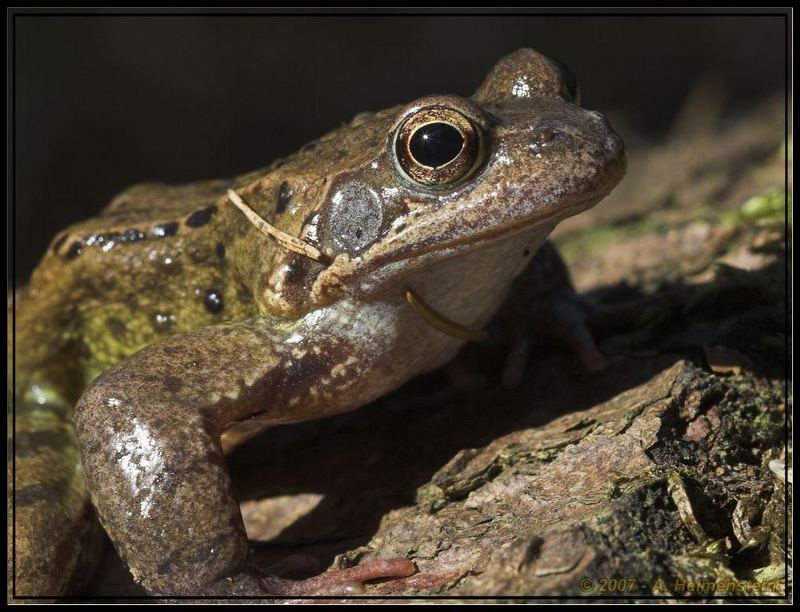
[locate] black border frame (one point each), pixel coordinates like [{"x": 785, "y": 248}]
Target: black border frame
[{"x": 13, "y": 12}]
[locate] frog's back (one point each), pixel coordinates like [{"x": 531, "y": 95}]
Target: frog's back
[
  {"x": 146, "y": 211},
  {"x": 154, "y": 262}
]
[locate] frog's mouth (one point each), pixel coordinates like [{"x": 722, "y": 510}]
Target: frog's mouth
[{"x": 480, "y": 239}]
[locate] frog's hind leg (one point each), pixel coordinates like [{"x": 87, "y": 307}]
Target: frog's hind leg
[
  {"x": 54, "y": 538},
  {"x": 150, "y": 431},
  {"x": 342, "y": 582}
]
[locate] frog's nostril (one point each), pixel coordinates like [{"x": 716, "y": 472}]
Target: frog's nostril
[{"x": 543, "y": 138}]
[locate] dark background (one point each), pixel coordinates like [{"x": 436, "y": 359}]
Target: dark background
[{"x": 102, "y": 102}]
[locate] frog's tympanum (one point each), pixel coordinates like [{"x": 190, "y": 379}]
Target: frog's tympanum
[{"x": 183, "y": 319}]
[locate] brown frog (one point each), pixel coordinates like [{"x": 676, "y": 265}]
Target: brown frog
[{"x": 183, "y": 319}]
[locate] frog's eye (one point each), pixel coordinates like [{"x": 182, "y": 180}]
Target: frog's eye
[
  {"x": 569, "y": 80},
  {"x": 437, "y": 147}
]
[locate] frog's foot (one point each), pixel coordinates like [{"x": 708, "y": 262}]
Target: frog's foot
[
  {"x": 332, "y": 583},
  {"x": 546, "y": 311},
  {"x": 341, "y": 582},
  {"x": 569, "y": 317},
  {"x": 608, "y": 319},
  {"x": 562, "y": 317}
]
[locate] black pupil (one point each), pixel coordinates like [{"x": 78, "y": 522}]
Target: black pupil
[{"x": 436, "y": 144}]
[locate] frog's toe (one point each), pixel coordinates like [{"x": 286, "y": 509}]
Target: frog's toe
[{"x": 341, "y": 582}]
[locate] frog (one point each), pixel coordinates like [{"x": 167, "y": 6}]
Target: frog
[{"x": 184, "y": 319}]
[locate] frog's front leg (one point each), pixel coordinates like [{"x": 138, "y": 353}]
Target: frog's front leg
[
  {"x": 544, "y": 305},
  {"x": 149, "y": 432}
]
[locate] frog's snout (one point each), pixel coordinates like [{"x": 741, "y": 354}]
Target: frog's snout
[
  {"x": 615, "y": 149},
  {"x": 573, "y": 155},
  {"x": 613, "y": 143},
  {"x": 586, "y": 139}
]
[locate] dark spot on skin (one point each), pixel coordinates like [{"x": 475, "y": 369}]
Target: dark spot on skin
[
  {"x": 165, "y": 229},
  {"x": 163, "y": 321},
  {"x": 60, "y": 242},
  {"x": 400, "y": 228},
  {"x": 198, "y": 253},
  {"x": 169, "y": 265},
  {"x": 219, "y": 542},
  {"x": 243, "y": 292},
  {"x": 526, "y": 253},
  {"x": 92, "y": 446},
  {"x": 308, "y": 147},
  {"x": 213, "y": 301},
  {"x": 173, "y": 384},
  {"x": 284, "y": 197},
  {"x": 214, "y": 458},
  {"x": 548, "y": 135},
  {"x": 44, "y": 492},
  {"x": 75, "y": 249},
  {"x": 29, "y": 443},
  {"x": 287, "y": 381},
  {"x": 201, "y": 217},
  {"x": 166, "y": 566},
  {"x": 298, "y": 267},
  {"x": 220, "y": 250},
  {"x": 234, "y": 522},
  {"x": 100, "y": 240},
  {"x": 25, "y": 408},
  {"x": 116, "y": 327},
  {"x": 131, "y": 235},
  {"x": 81, "y": 348}
]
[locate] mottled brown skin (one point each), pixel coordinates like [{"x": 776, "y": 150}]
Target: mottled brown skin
[{"x": 193, "y": 330}]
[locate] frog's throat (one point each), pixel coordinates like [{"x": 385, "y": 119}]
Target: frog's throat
[{"x": 440, "y": 322}]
